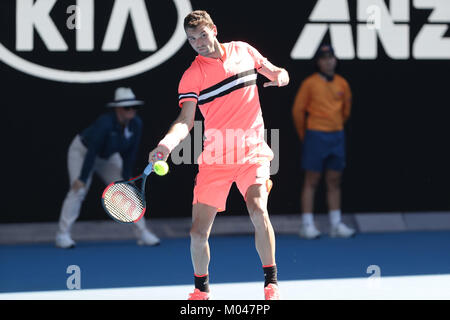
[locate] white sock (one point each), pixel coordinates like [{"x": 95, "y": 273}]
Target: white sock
[
  {"x": 307, "y": 219},
  {"x": 335, "y": 217}
]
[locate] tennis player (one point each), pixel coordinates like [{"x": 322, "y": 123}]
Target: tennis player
[
  {"x": 222, "y": 82},
  {"x": 107, "y": 147}
]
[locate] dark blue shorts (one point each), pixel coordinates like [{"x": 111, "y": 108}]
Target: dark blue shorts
[{"x": 323, "y": 150}]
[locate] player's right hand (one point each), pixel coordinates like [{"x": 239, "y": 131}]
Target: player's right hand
[{"x": 155, "y": 154}]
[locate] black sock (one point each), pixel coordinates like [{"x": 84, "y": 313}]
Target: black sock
[
  {"x": 202, "y": 282},
  {"x": 270, "y": 275}
]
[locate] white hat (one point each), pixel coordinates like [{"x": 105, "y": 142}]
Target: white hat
[{"x": 124, "y": 97}]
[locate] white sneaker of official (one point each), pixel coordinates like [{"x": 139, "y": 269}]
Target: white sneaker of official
[
  {"x": 147, "y": 238},
  {"x": 64, "y": 241},
  {"x": 308, "y": 231},
  {"x": 341, "y": 230}
]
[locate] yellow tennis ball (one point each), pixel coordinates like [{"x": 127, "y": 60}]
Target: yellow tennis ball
[{"x": 161, "y": 168}]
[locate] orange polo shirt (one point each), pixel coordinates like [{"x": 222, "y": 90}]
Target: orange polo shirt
[
  {"x": 322, "y": 105},
  {"x": 226, "y": 93}
]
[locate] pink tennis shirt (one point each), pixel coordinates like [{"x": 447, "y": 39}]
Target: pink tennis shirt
[{"x": 226, "y": 93}]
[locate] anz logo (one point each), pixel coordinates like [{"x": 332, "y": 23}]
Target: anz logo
[
  {"x": 75, "y": 34},
  {"x": 376, "y": 23}
]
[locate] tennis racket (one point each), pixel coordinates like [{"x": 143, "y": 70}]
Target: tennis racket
[{"x": 124, "y": 201}]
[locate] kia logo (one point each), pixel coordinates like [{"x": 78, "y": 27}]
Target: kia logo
[{"x": 33, "y": 17}]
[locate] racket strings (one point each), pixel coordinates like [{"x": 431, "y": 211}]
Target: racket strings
[{"x": 124, "y": 202}]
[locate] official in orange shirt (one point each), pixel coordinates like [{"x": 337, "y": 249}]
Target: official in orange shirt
[{"x": 321, "y": 108}]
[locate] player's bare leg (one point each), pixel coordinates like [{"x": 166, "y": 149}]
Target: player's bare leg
[
  {"x": 256, "y": 200},
  {"x": 202, "y": 220},
  {"x": 257, "y": 196}
]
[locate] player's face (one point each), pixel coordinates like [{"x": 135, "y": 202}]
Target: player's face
[
  {"x": 203, "y": 39},
  {"x": 327, "y": 64}
]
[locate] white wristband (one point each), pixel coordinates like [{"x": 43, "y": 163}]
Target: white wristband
[{"x": 170, "y": 142}]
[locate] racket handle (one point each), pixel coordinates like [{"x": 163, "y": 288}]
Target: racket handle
[{"x": 148, "y": 169}]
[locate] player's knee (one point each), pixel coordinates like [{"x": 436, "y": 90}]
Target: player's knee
[
  {"x": 258, "y": 216},
  {"x": 199, "y": 235}
]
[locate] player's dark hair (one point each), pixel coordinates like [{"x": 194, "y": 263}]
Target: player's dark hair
[{"x": 197, "y": 18}]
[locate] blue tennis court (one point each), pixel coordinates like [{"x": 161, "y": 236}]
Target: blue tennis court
[{"x": 404, "y": 259}]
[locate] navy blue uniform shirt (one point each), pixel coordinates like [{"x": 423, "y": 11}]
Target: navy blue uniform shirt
[{"x": 107, "y": 136}]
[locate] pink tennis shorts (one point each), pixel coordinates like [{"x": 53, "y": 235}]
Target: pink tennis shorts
[{"x": 213, "y": 182}]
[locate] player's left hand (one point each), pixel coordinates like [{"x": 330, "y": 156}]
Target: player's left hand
[{"x": 281, "y": 80}]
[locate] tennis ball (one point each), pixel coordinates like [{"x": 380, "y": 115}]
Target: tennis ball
[{"x": 161, "y": 168}]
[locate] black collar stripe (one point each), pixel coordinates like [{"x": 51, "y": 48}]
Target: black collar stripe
[
  {"x": 228, "y": 80},
  {"x": 228, "y": 86},
  {"x": 225, "y": 92}
]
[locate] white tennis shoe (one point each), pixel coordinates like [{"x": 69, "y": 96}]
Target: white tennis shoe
[
  {"x": 147, "y": 238},
  {"x": 309, "y": 231},
  {"x": 341, "y": 231},
  {"x": 64, "y": 241}
]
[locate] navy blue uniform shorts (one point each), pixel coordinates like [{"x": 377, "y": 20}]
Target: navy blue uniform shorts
[{"x": 323, "y": 150}]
